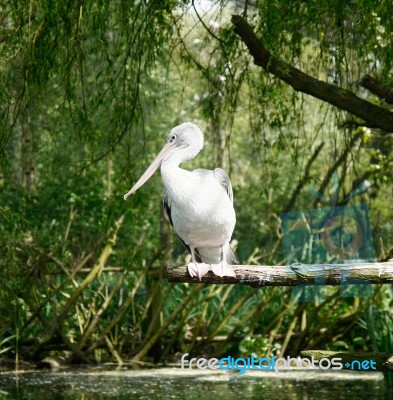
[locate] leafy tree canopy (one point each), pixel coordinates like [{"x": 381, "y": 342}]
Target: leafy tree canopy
[{"x": 88, "y": 91}]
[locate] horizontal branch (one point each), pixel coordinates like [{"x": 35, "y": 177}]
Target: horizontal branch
[
  {"x": 373, "y": 115},
  {"x": 381, "y": 361},
  {"x": 293, "y": 275}
]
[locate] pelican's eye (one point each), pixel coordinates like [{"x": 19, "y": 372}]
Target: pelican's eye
[{"x": 172, "y": 138}]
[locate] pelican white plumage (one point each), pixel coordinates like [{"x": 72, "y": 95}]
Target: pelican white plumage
[{"x": 199, "y": 203}]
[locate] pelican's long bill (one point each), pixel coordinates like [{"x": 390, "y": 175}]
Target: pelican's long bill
[{"x": 166, "y": 150}]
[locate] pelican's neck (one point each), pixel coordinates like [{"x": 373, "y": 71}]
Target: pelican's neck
[
  {"x": 171, "y": 167},
  {"x": 175, "y": 179},
  {"x": 176, "y": 157}
]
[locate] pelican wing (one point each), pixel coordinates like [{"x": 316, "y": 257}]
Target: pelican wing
[
  {"x": 224, "y": 181},
  {"x": 220, "y": 176},
  {"x": 166, "y": 205}
]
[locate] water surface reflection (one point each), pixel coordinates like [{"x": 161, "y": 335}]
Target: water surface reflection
[{"x": 174, "y": 383}]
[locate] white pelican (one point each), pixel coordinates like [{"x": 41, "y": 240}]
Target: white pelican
[{"x": 199, "y": 204}]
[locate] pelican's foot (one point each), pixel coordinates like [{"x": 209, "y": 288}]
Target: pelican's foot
[
  {"x": 223, "y": 269},
  {"x": 198, "y": 269}
]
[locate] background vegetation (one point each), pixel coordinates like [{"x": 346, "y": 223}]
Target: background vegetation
[{"x": 88, "y": 92}]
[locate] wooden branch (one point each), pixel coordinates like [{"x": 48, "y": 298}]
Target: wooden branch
[
  {"x": 383, "y": 361},
  {"x": 373, "y": 115},
  {"x": 375, "y": 87},
  {"x": 295, "y": 274}
]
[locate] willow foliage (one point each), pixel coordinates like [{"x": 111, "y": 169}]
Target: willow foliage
[{"x": 88, "y": 91}]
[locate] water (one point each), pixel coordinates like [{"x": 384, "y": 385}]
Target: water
[{"x": 173, "y": 383}]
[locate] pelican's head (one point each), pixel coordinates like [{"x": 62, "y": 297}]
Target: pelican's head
[
  {"x": 188, "y": 141},
  {"x": 184, "y": 143}
]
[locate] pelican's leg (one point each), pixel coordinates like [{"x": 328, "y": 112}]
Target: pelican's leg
[
  {"x": 197, "y": 269},
  {"x": 223, "y": 268}
]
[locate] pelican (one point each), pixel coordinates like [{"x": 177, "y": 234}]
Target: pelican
[{"x": 198, "y": 204}]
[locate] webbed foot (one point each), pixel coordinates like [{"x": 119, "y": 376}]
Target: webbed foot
[
  {"x": 223, "y": 269},
  {"x": 198, "y": 269}
]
